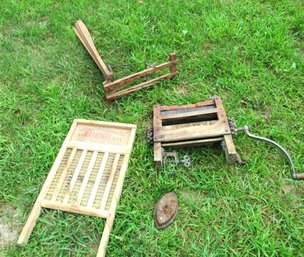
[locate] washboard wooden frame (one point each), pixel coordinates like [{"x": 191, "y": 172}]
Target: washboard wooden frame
[{"x": 88, "y": 174}]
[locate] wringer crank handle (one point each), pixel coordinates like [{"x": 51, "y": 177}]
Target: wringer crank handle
[{"x": 294, "y": 175}]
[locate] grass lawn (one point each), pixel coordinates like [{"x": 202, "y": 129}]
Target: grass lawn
[{"x": 248, "y": 52}]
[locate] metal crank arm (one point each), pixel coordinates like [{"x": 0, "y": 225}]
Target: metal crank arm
[{"x": 294, "y": 174}]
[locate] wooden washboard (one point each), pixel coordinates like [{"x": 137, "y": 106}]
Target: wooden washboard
[{"x": 88, "y": 174}]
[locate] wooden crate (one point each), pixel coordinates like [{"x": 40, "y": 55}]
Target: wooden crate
[
  {"x": 192, "y": 125},
  {"x": 119, "y": 87},
  {"x": 88, "y": 174}
]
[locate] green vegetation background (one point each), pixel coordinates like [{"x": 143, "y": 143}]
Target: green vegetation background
[{"x": 248, "y": 52}]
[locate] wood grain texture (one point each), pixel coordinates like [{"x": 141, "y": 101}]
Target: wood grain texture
[
  {"x": 86, "y": 39},
  {"x": 84, "y": 181},
  {"x": 197, "y": 124},
  {"x": 197, "y": 142},
  {"x": 193, "y": 131},
  {"x": 113, "y": 87},
  {"x": 116, "y": 95},
  {"x": 179, "y": 115}
]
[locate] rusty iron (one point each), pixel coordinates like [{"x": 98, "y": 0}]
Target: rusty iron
[{"x": 165, "y": 210}]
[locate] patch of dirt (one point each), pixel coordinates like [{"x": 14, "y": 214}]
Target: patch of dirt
[
  {"x": 266, "y": 114},
  {"x": 192, "y": 195},
  {"x": 148, "y": 123},
  {"x": 8, "y": 225},
  {"x": 287, "y": 188},
  {"x": 182, "y": 89}
]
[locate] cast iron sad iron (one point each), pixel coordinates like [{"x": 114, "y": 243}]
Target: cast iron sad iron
[{"x": 165, "y": 210}]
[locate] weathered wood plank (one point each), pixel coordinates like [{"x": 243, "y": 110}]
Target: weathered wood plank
[
  {"x": 98, "y": 147},
  {"x": 229, "y": 149},
  {"x": 157, "y": 155},
  {"x": 188, "y": 106},
  {"x": 180, "y": 115},
  {"x": 172, "y": 59},
  {"x": 193, "y": 131},
  {"x": 126, "y": 80},
  {"x": 113, "y": 96},
  {"x": 193, "y": 142},
  {"x": 98, "y": 179},
  {"x": 75, "y": 209},
  {"x": 86, "y": 178},
  {"x": 86, "y": 39},
  {"x": 109, "y": 183},
  {"x": 75, "y": 176},
  {"x": 110, "y": 220}
]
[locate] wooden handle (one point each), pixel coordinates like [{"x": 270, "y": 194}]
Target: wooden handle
[
  {"x": 300, "y": 176},
  {"x": 87, "y": 41}
]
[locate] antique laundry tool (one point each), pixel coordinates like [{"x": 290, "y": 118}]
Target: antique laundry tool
[
  {"x": 117, "y": 88},
  {"x": 165, "y": 210},
  {"x": 196, "y": 125},
  {"x": 191, "y": 125},
  {"x": 88, "y": 175}
]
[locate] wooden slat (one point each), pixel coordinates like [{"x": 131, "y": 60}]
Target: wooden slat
[
  {"x": 191, "y": 124},
  {"x": 110, "y": 220},
  {"x": 98, "y": 179},
  {"x": 188, "y": 106},
  {"x": 172, "y": 58},
  {"x": 157, "y": 125},
  {"x": 185, "y": 125},
  {"x": 139, "y": 86},
  {"x": 193, "y": 142},
  {"x": 131, "y": 139},
  {"x": 108, "y": 124},
  {"x": 86, "y": 178},
  {"x": 126, "y": 80},
  {"x": 63, "y": 175},
  {"x": 172, "y": 133},
  {"x": 75, "y": 176},
  {"x": 86, "y": 39},
  {"x": 158, "y": 159},
  {"x": 229, "y": 149},
  {"x": 75, "y": 209},
  {"x": 178, "y": 115},
  {"x": 109, "y": 183},
  {"x": 98, "y": 147},
  {"x": 87, "y": 46}
]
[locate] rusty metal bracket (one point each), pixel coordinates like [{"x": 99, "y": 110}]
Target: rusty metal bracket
[{"x": 186, "y": 161}]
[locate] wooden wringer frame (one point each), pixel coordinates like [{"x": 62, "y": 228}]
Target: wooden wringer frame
[
  {"x": 117, "y": 88},
  {"x": 197, "y": 124}
]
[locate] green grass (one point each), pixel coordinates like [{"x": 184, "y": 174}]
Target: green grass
[{"x": 248, "y": 52}]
